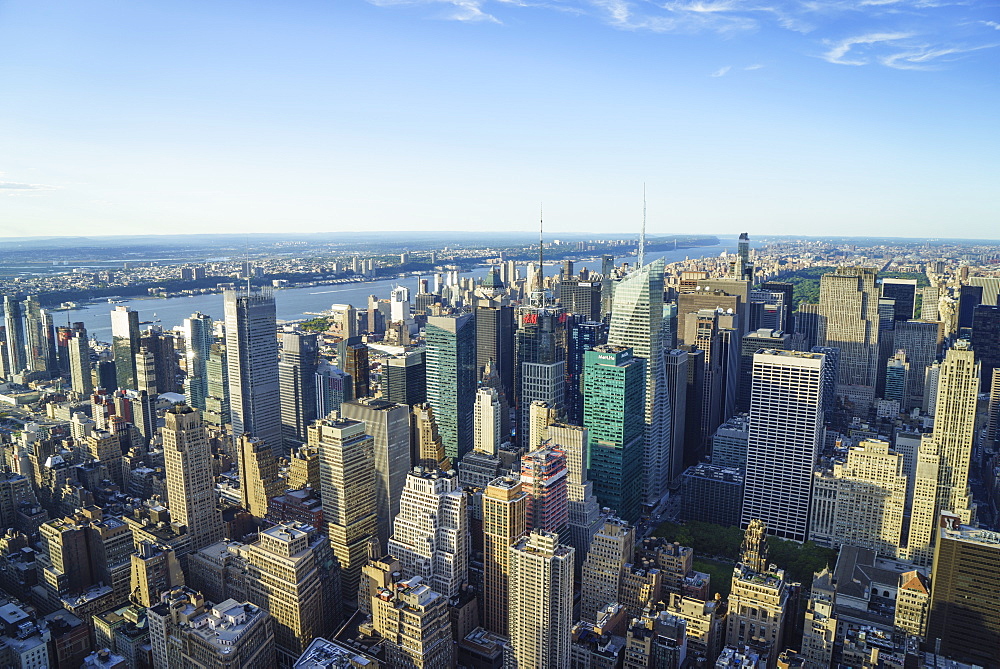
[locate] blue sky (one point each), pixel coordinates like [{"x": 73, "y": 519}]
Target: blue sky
[{"x": 862, "y": 117}]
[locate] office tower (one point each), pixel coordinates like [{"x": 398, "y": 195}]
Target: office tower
[
  {"x": 786, "y": 430},
  {"x": 145, "y": 371},
  {"x": 105, "y": 447},
  {"x": 860, "y": 502},
  {"x": 964, "y": 618},
  {"x": 217, "y": 387},
  {"x": 352, "y": 357},
  {"x": 942, "y": 481},
  {"x": 611, "y": 549},
  {"x": 451, "y": 379},
  {"x": 413, "y": 620},
  {"x": 831, "y": 367},
  {"x": 389, "y": 425},
  {"x": 187, "y": 462},
  {"x": 768, "y": 310},
  {"x": 495, "y": 332},
  {"x": 333, "y": 388},
  {"x": 676, "y": 377},
  {"x": 425, "y": 440},
  {"x": 430, "y": 534},
  {"x": 581, "y": 296},
  {"x": 929, "y": 404},
  {"x": 198, "y": 342},
  {"x": 543, "y": 480},
  {"x": 297, "y": 385},
  {"x": 486, "y": 417},
  {"x": 62, "y": 337},
  {"x": 543, "y": 383},
  {"x": 751, "y": 343},
  {"x": 584, "y": 510},
  {"x": 252, "y": 366},
  {"x": 897, "y": 371},
  {"x": 125, "y": 343},
  {"x": 969, "y": 297},
  {"x": 345, "y": 320},
  {"x": 404, "y": 378},
  {"x": 758, "y": 600},
  {"x": 787, "y": 290},
  {"x": 164, "y": 358},
  {"x": 347, "y": 487},
  {"x": 807, "y": 320},
  {"x": 186, "y": 631},
  {"x": 540, "y": 357},
  {"x": 541, "y": 601},
  {"x": 919, "y": 340},
  {"x": 993, "y": 409},
  {"x": 583, "y": 336},
  {"x": 712, "y": 494},
  {"x": 913, "y": 598},
  {"x": 931, "y": 295},
  {"x": 79, "y": 364},
  {"x": 819, "y": 633},
  {"x": 259, "y": 480},
  {"x": 742, "y": 268},
  {"x": 14, "y": 323},
  {"x": 848, "y": 307},
  {"x": 614, "y": 398},
  {"x": 904, "y": 294},
  {"x": 504, "y": 507},
  {"x": 540, "y": 416},
  {"x": 985, "y": 340},
  {"x": 155, "y": 570},
  {"x": 636, "y": 323},
  {"x": 285, "y": 573},
  {"x": 730, "y": 441},
  {"x": 716, "y": 334},
  {"x": 39, "y": 338}
]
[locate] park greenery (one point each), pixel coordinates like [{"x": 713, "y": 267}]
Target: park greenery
[
  {"x": 320, "y": 324},
  {"x": 722, "y": 544},
  {"x": 805, "y": 282}
]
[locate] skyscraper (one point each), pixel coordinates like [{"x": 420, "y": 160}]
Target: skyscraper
[
  {"x": 986, "y": 340},
  {"x": 504, "y": 505},
  {"x": 614, "y": 392},
  {"x": 584, "y": 509},
  {"x": 637, "y": 323},
  {"x": 404, "y": 378},
  {"x": 14, "y": 323},
  {"x": 188, "y": 466},
  {"x": 389, "y": 426},
  {"x": 259, "y": 480},
  {"x": 541, "y": 601},
  {"x": 583, "y": 336},
  {"x": 333, "y": 388},
  {"x": 39, "y": 338},
  {"x": 904, "y": 294},
  {"x": 920, "y": 340},
  {"x": 297, "y": 385},
  {"x": 217, "y": 386},
  {"x": 942, "y": 481},
  {"x": 430, "y": 534},
  {"x": 610, "y": 550},
  {"x": 543, "y": 480},
  {"x": 495, "y": 332},
  {"x": 198, "y": 342},
  {"x": 451, "y": 379},
  {"x": 252, "y": 366},
  {"x": 786, "y": 428},
  {"x": 848, "y": 307},
  {"x": 79, "y": 364},
  {"x": 347, "y": 487},
  {"x": 125, "y": 343},
  {"x": 965, "y": 593},
  {"x": 540, "y": 358}
]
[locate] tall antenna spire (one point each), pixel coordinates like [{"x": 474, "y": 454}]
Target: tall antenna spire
[
  {"x": 541, "y": 248},
  {"x": 642, "y": 231}
]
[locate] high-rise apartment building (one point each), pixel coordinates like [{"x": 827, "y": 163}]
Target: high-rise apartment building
[
  {"x": 125, "y": 343},
  {"x": 155, "y": 570},
  {"x": 785, "y": 434},
  {"x": 297, "y": 385},
  {"x": 585, "y": 517},
  {"x": 252, "y": 366},
  {"x": 430, "y": 534},
  {"x": 190, "y": 485},
  {"x": 504, "y": 508},
  {"x": 451, "y": 379},
  {"x": 848, "y": 307},
  {"x": 543, "y": 480},
  {"x": 944, "y": 458},
  {"x": 413, "y": 620},
  {"x": 347, "y": 488},
  {"x": 389, "y": 426},
  {"x": 541, "y": 601},
  {"x": 79, "y": 364},
  {"x": 637, "y": 323},
  {"x": 614, "y": 400}
]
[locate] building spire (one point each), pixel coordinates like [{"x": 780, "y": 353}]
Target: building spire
[
  {"x": 541, "y": 247},
  {"x": 642, "y": 231}
]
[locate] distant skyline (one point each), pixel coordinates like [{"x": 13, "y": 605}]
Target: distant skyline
[{"x": 852, "y": 118}]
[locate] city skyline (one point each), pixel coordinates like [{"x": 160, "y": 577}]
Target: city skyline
[{"x": 419, "y": 115}]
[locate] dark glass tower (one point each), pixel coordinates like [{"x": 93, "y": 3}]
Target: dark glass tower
[
  {"x": 297, "y": 384},
  {"x": 451, "y": 379}
]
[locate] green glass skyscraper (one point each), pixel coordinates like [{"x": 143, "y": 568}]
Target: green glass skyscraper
[
  {"x": 614, "y": 400},
  {"x": 451, "y": 379}
]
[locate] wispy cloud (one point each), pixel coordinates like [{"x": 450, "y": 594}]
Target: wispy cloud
[
  {"x": 899, "y": 34},
  {"x": 755, "y": 66},
  {"x": 721, "y": 72},
  {"x": 16, "y": 188}
]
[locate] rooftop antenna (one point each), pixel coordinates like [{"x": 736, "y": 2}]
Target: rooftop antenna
[
  {"x": 642, "y": 232},
  {"x": 247, "y": 243},
  {"x": 541, "y": 247}
]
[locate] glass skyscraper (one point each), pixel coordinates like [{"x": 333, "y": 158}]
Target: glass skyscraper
[
  {"x": 614, "y": 389},
  {"x": 451, "y": 379}
]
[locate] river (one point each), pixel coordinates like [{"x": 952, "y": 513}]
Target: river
[{"x": 294, "y": 303}]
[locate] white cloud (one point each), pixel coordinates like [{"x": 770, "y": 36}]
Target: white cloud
[
  {"x": 839, "y": 51},
  {"x": 755, "y": 66},
  {"x": 923, "y": 59},
  {"x": 991, "y": 24},
  {"x": 460, "y": 10},
  {"x": 721, "y": 72},
  {"x": 16, "y": 188}
]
